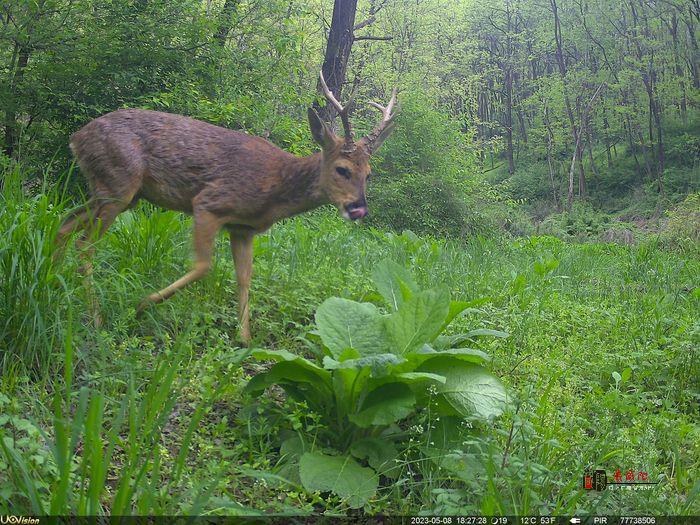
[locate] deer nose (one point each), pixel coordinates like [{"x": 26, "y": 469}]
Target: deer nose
[{"x": 357, "y": 209}]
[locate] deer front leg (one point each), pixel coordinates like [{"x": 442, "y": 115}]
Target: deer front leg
[
  {"x": 242, "y": 251},
  {"x": 206, "y": 226}
]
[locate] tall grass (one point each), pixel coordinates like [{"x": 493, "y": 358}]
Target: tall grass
[
  {"x": 107, "y": 456},
  {"x": 146, "y": 416},
  {"x": 33, "y": 294}
]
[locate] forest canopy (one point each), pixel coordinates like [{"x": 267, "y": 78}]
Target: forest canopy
[
  {"x": 556, "y": 101},
  {"x": 516, "y": 317}
]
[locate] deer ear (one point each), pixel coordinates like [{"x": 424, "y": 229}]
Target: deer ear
[{"x": 322, "y": 134}]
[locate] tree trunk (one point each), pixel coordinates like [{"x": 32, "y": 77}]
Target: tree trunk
[
  {"x": 225, "y": 22},
  {"x": 508, "y": 119},
  {"x": 695, "y": 52},
  {"x": 649, "y": 76},
  {"x": 335, "y": 62},
  {"x": 589, "y": 142},
  {"x": 11, "y": 125},
  {"x": 683, "y": 103},
  {"x": 606, "y": 136},
  {"x": 550, "y": 146},
  {"x": 567, "y": 102}
]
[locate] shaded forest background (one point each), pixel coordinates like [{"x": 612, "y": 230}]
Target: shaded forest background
[
  {"x": 512, "y": 111},
  {"x": 525, "y": 125}
]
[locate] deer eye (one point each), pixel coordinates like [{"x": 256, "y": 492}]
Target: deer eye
[{"x": 343, "y": 171}]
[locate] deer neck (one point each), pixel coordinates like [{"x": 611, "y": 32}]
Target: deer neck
[{"x": 302, "y": 190}]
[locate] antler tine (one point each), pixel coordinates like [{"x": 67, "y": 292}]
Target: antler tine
[
  {"x": 386, "y": 111},
  {"x": 387, "y": 118},
  {"x": 329, "y": 95},
  {"x": 342, "y": 111}
]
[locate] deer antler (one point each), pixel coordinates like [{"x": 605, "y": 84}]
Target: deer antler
[
  {"x": 386, "y": 123},
  {"x": 342, "y": 113}
]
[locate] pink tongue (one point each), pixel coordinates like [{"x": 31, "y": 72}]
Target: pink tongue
[{"x": 358, "y": 213}]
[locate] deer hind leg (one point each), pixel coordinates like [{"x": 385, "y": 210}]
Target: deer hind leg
[
  {"x": 94, "y": 225},
  {"x": 242, "y": 251},
  {"x": 206, "y": 226}
]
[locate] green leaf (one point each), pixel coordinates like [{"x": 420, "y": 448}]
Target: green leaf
[
  {"x": 419, "y": 319},
  {"x": 386, "y": 404},
  {"x": 463, "y": 465},
  {"x": 283, "y": 355},
  {"x": 409, "y": 378},
  {"x": 426, "y": 353},
  {"x": 626, "y": 374},
  {"x": 485, "y": 332},
  {"x": 340, "y": 475},
  {"x": 346, "y": 324},
  {"x": 472, "y": 355},
  {"x": 470, "y": 389},
  {"x": 459, "y": 307},
  {"x": 388, "y": 276},
  {"x": 419, "y": 377},
  {"x": 310, "y": 384},
  {"x": 348, "y": 385},
  {"x": 379, "y": 453},
  {"x": 378, "y": 364}
]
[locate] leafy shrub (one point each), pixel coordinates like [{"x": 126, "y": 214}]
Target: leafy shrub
[
  {"x": 580, "y": 223},
  {"x": 426, "y": 173},
  {"x": 683, "y": 148},
  {"x": 420, "y": 204},
  {"x": 682, "y": 230},
  {"x": 373, "y": 370}
]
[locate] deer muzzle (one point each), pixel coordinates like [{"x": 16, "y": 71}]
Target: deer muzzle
[{"x": 357, "y": 210}]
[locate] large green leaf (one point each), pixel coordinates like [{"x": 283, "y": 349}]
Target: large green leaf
[
  {"x": 290, "y": 368},
  {"x": 470, "y": 390},
  {"x": 418, "y": 320},
  {"x": 310, "y": 384},
  {"x": 284, "y": 355},
  {"x": 394, "y": 282},
  {"x": 340, "y": 475},
  {"x": 420, "y": 377},
  {"x": 471, "y": 355},
  {"x": 346, "y": 324},
  {"x": 460, "y": 307},
  {"x": 381, "y": 454},
  {"x": 409, "y": 378},
  {"x": 480, "y": 332},
  {"x": 386, "y": 404},
  {"x": 378, "y": 364},
  {"x": 452, "y": 341}
]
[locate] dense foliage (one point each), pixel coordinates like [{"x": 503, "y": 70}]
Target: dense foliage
[
  {"x": 558, "y": 101},
  {"x": 150, "y": 416},
  {"x": 521, "y": 305},
  {"x": 376, "y": 371}
]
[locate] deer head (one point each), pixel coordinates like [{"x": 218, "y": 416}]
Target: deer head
[{"x": 345, "y": 161}]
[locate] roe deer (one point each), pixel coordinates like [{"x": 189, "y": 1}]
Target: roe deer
[{"x": 224, "y": 178}]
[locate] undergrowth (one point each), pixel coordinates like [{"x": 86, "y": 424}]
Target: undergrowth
[{"x": 601, "y": 367}]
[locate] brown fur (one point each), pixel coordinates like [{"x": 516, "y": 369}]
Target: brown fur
[{"x": 222, "y": 177}]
